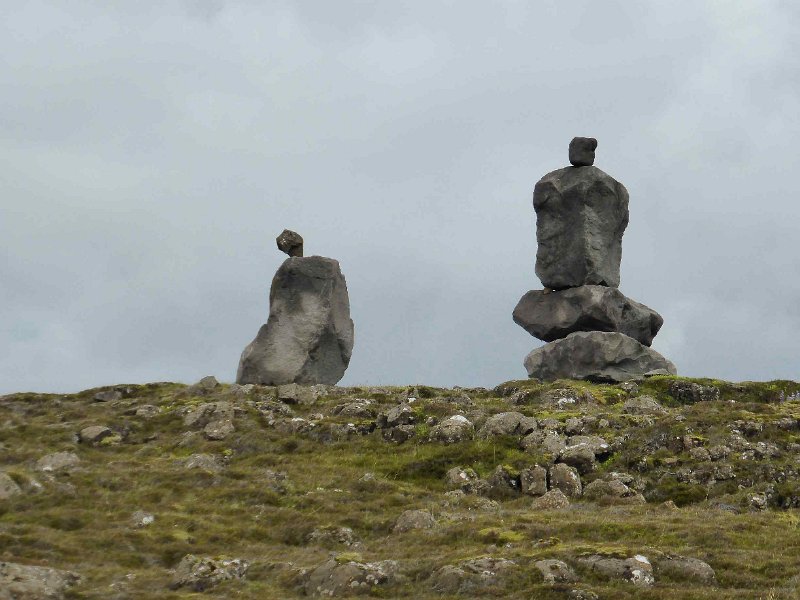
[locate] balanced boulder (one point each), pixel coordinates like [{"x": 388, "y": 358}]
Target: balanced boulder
[
  {"x": 581, "y": 214},
  {"x": 552, "y": 315},
  {"x": 308, "y": 338},
  {"x": 594, "y": 356}
]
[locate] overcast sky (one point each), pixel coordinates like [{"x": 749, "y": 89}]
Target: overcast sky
[{"x": 151, "y": 155}]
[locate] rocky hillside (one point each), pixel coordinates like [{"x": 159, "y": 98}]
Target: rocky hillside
[{"x": 662, "y": 488}]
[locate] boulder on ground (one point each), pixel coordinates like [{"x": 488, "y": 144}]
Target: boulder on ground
[
  {"x": 8, "y": 487},
  {"x": 611, "y": 491},
  {"x": 636, "y": 570},
  {"x": 332, "y": 536},
  {"x": 594, "y": 356},
  {"x": 339, "y": 577},
  {"x": 472, "y": 576},
  {"x": 308, "y": 337},
  {"x": 533, "y": 481},
  {"x": 201, "y": 573},
  {"x": 24, "y": 582},
  {"x": 458, "y": 477},
  {"x": 581, "y": 215},
  {"x": 200, "y": 416},
  {"x": 551, "y": 315},
  {"x": 552, "y": 500},
  {"x": 96, "y": 435},
  {"x": 452, "y": 430},
  {"x": 414, "y": 519},
  {"x": 643, "y": 405},
  {"x": 566, "y": 479},
  {"x": 682, "y": 568},
  {"x": 580, "y": 456},
  {"x": 555, "y": 571},
  {"x": 107, "y": 396},
  {"x": 507, "y": 423},
  {"x": 207, "y": 385},
  {"x": 58, "y": 461}
]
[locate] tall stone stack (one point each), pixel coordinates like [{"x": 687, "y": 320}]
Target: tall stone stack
[{"x": 594, "y": 332}]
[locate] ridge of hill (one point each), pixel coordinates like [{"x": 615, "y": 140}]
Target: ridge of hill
[{"x": 667, "y": 487}]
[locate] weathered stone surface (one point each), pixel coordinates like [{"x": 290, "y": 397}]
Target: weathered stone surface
[
  {"x": 579, "y": 456},
  {"x": 552, "y": 500},
  {"x": 611, "y": 491},
  {"x": 555, "y": 571},
  {"x": 533, "y": 481},
  {"x": 96, "y": 435},
  {"x": 458, "y": 477},
  {"x": 308, "y": 337},
  {"x": 566, "y": 479},
  {"x": 107, "y": 396},
  {"x": 8, "y": 487},
  {"x": 414, "y": 519},
  {"x": 683, "y": 568},
  {"x": 332, "y": 536},
  {"x": 551, "y": 315},
  {"x": 643, "y": 405},
  {"x": 472, "y": 576},
  {"x": 24, "y": 582},
  {"x": 202, "y": 573},
  {"x": 636, "y": 570},
  {"x": 581, "y": 214},
  {"x": 58, "y": 461},
  {"x": 594, "y": 356},
  {"x": 290, "y": 242},
  {"x": 581, "y": 151},
  {"x": 507, "y": 423},
  {"x": 452, "y": 430},
  {"x": 333, "y": 578}
]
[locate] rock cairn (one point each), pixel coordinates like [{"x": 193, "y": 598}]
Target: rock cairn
[
  {"x": 594, "y": 331},
  {"x": 308, "y": 337}
]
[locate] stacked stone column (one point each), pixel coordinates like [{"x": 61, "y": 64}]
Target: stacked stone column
[{"x": 594, "y": 332}]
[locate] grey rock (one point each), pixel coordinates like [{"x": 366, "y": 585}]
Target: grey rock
[
  {"x": 682, "y": 568},
  {"x": 332, "y": 536},
  {"x": 399, "y": 434},
  {"x": 643, "y": 405},
  {"x": 206, "y": 462},
  {"x": 141, "y": 518},
  {"x": 107, "y": 396},
  {"x": 533, "y": 481},
  {"x": 594, "y": 356},
  {"x": 551, "y": 315},
  {"x": 581, "y": 151},
  {"x": 688, "y": 392},
  {"x": 555, "y": 571},
  {"x": 458, "y": 476},
  {"x": 207, "y": 385},
  {"x": 566, "y": 479},
  {"x": 333, "y": 578},
  {"x": 452, "y": 430},
  {"x": 96, "y": 434},
  {"x": 308, "y": 337},
  {"x": 58, "y": 461},
  {"x": 612, "y": 491},
  {"x": 358, "y": 409},
  {"x": 657, "y": 373},
  {"x": 581, "y": 456},
  {"x": 147, "y": 411},
  {"x": 200, "y": 416},
  {"x": 293, "y": 393},
  {"x": 399, "y": 415},
  {"x": 581, "y": 215},
  {"x": 636, "y": 570},
  {"x": 595, "y": 443},
  {"x": 218, "y": 430},
  {"x": 202, "y": 573},
  {"x": 8, "y": 487},
  {"x": 549, "y": 442},
  {"x": 552, "y": 500},
  {"x": 290, "y": 242},
  {"x": 507, "y": 423},
  {"x": 414, "y": 519},
  {"x": 472, "y": 576},
  {"x": 24, "y": 582},
  {"x": 502, "y": 483}
]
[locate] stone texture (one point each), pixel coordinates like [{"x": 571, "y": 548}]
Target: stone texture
[
  {"x": 346, "y": 578},
  {"x": 551, "y": 315},
  {"x": 8, "y": 487},
  {"x": 533, "y": 481},
  {"x": 555, "y": 571},
  {"x": 201, "y": 573},
  {"x": 472, "y": 576},
  {"x": 507, "y": 423},
  {"x": 24, "y": 582},
  {"x": 581, "y": 215},
  {"x": 682, "y": 568},
  {"x": 594, "y": 356},
  {"x": 58, "y": 461},
  {"x": 566, "y": 479},
  {"x": 581, "y": 151},
  {"x": 308, "y": 337},
  {"x": 552, "y": 500},
  {"x": 290, "y": 242},
  {"x": 636, "y": 570},
  {"x": 643, "y": 405},
  {"x": 414, "y": 519},
  {"x": 452, "y": 430},
  {"x": 96, "y": 435}
]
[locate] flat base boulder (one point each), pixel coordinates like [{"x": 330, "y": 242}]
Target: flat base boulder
[
  {"x": 308, "y": 338},
  {"x": 551, "y": 315},
  {"x": 25, "y": 582},
  {"x": 595, "y": 356}
]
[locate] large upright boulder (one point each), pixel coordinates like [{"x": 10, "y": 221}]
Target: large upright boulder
[
  {"x": 581, "y": 214},
  {"x": 594, "y": 356},
  {"x": 308, "y": 338},
  {"x": 552, "y": 315}
]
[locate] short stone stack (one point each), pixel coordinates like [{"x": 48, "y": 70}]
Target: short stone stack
[{"x": 594, "y": 331}]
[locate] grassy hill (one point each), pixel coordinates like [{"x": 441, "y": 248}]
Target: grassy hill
[{"x": 167, "y": 491}]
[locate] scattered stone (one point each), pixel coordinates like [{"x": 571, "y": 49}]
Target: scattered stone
[
  {"x": 308, "y": 337},
  {"x": 358, "y": 409},
  {"x": 533, "y": 481},
  {"x": 700, "y": 454},
  {"x": 555, "y": 571},
  {"x": 682, "y": 568},
  {"x": 333, "y": 536},
  {"x": 290, "y": 242},
  {"x": 147, "y": 411},
  {"x": 8, "y": 487},
  {"x": 142, "y": 519},
  {"x": 200, "y": 416},
  {"x": 688, "y": 392},
  {"x": 546, "y": 441},
  {"x": 502, "y": 483},
  {"x": 348, "y": 577},
  {"x": 107, "y": 396},
  {"x": 399, "y": 434},
  {"x": 581, "y": 151},
  {"x": 218, "y": 430},
  {"x": 581, "y": 215},
  {"x": 580, "y": 456},
  {"x": 594, "y": 356},
  {"x": 58, "y": 461},
  {"x": 414, "y": 519},
  {"x": 207, "y": 385},
  {"x": 96, "y": 435},
  {"x": 595, "y": 443},
  {"x": 629, "y": 387},
  {"x": 566, "y": 479},
  {"x": 292, "y": 393},
  {"x": 611, "y": 491},
  {"x": 402, "y": 414},
  {"x": 636, "y": 570},
  {"x": 551, "y": 315},
  {"x": 578, "y": 594},
  {"x": 452, "y": 430},
  {"x": 471, "y": 576},
  {"x": 507, "y": 423},
  {"x": 643, "y": 405},
  {"x": 24, "y": 582},
  {"x": 294, "y": 425},
  {"x": 206, "y": 462},
  {"x": 202, "y": 573},
  {"x": 552, "y": 500},
  {"x": 458, "y": 476}
]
